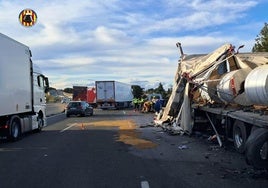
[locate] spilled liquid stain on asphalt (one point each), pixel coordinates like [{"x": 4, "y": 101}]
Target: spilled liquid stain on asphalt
[{"x": 128, "y": 132}]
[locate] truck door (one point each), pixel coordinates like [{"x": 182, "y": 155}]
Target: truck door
[
  {"x": 105, "y": 91},
  {"x": 109, "y": 91}
]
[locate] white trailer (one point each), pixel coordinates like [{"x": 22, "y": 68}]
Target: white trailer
[
  {"x": 22, "y": 93},
  {"x": 113, "y": 94},
  {"x": 226, "y": 93}
]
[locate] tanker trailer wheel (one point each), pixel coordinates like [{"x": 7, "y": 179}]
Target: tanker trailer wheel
[
  {"x": 239, "y": 136},
  {"x": 257, "y": 148},
  {"x": 15, "y": 132}
]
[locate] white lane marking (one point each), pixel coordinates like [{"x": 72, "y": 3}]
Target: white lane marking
[
  {"x": 145, "y": 184},
  {"x": 72, "y": 125}
]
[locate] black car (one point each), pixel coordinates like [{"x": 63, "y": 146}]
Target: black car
[{"x": 81, "y": 108}]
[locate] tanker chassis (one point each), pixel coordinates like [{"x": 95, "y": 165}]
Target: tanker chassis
[{"x": 224, "y": 92}]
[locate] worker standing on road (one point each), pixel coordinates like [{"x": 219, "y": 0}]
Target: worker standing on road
[
  {"x": 135, "y": 102},
  {"x": 154, "y": 99},
  {"x": 140, "y": 103},
  {"x": 147, "y": 106},
  {"x": 157, "y": 106}
]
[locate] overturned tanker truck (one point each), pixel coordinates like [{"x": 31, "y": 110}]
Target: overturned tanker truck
[{"x": 225, "y": 92}]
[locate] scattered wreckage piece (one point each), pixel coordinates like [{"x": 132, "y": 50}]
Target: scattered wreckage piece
[{"x": 226, "y": 90}]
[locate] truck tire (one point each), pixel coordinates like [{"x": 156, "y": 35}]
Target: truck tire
[
  {"x": 257, "y": 148},
  {"x": 40, "y": 121},
  {"x": 240, "y": 136},
  {"x": 15, "y": 131}
]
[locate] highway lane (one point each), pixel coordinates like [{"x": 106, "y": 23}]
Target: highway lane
[
  {"x": 66, "y": 154},
  {"x": 110, "y": 149},
  {"x": 54, "y": 112}
]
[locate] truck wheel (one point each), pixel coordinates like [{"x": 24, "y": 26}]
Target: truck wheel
[
  {"x": 40, "y": 123},
  {"x": 15, "y": 130},
  {"x": 239, "y": 136},
  {"x": 257, "y": 148}
]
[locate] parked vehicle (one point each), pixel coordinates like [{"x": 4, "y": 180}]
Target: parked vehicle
[
  {"x": 81, "y": 108},
  {"x": 79, "y": 93},
  {"x": 154, "y": 95},
  {"x": 226, "y": 92},
  {"x": 91, "y": 96},
  {"x": 113, "y": 94},
  {"x": 85, "y": 93},
  {"x": 22, "y": 96},
  {"x": 65, "y": 100}
]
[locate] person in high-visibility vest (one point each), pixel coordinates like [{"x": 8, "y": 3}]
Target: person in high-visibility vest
[
  {"x": 140, "y": 103},
  {"x": 135, "y": 102}
]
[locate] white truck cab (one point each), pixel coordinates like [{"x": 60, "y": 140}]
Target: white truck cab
[{"x": 22, "y": 93}]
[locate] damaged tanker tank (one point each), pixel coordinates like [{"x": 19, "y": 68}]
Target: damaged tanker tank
[{"x": 226, "y": 91}]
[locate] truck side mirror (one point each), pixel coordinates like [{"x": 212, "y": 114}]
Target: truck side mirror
[{"x": 46, "y": 82}]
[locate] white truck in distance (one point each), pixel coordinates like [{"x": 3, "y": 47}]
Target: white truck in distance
[
  {"x": 113, "y": 94},
  {"x": 22, "y": 95}
]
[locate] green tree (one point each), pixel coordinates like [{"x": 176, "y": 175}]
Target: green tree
[
  {"x": 261, "y": 44},
  {"x": 68, "y": 90},
  {"x": 137, "y": 91},
  {"x": 150, "y": 91},
  {"x": 168, "y": 93},
  {"x": 52, "y": 88},
  {"x": 160, "y": 89}
]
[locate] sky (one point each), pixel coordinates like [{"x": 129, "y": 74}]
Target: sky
[{"x": 131, "y": 41}]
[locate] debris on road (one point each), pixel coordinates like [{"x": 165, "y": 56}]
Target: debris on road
[{"x": 182, "y": 147}]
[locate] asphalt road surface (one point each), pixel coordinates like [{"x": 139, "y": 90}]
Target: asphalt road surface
[
  {"x": 54, "y": 108},
  {"x": 120, "y": 149}
]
